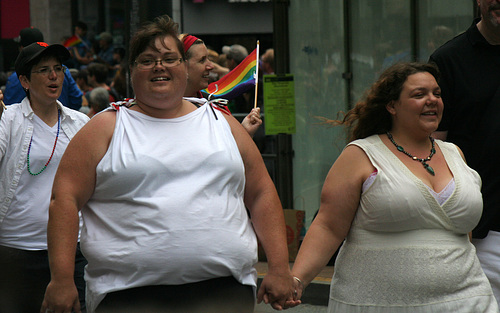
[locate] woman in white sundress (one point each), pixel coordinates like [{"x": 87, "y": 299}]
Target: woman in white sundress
[{"x": 402, "y": 204}]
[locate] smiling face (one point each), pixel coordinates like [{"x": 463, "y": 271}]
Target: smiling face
[
  {"x": 160, "y": 86},
  {"x": 419, "y": 107},
  {"x": 199, "y": 67},
  {"x": 44, "y": 88}
]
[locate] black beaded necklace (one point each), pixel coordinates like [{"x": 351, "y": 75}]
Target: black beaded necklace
[{"x": 423, "y": 161}]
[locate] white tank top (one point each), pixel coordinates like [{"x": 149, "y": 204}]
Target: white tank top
[{"x": 168, "y": 206}]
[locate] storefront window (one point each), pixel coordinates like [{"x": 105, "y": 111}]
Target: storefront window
[
  {"x": 316, "y": 60},
  {"x": 440, "y": 21}
]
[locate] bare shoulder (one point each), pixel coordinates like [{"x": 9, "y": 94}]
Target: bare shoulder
[
  {"x": 460, "y": 152},
  {"x": 101, "y": 123},
  {"x": 239, "y": 133},
  {"x": 356, "y": 155},
  {"x": 95, "y": 136},
  {"x": 230, "y": 119},
  {"x": 450, "y": 146},
  {"x": 353, "y": 163}
]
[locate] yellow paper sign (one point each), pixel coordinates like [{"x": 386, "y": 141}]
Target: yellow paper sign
[{"x": 279, "y": 104}]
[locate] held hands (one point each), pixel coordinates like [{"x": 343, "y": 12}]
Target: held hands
[
  {"x": 60, "y": 298},
  {"x": 252, "y": 121},
  {"x": 279, "y": 291}
]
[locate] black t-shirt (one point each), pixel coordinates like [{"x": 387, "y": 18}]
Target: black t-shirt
[{"x": 470, "y": 83}]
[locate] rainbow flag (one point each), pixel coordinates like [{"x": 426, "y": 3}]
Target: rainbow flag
[
  {"x": 72, "y": 41},
  {"x": 236, "y": 82}
]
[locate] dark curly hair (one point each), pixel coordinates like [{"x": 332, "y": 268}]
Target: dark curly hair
[{"x": 370, "y": 116}]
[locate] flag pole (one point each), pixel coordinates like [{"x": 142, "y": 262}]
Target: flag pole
[{"x": 256, "y": 75}]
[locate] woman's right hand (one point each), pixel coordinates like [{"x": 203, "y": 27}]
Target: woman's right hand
[{"x": 60, "y": 298}]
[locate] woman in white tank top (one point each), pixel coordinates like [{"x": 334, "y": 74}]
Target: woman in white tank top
[{"x": 163, "y": 187}]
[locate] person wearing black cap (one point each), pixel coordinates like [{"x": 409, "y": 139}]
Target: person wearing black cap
[
  {"x": 28, "y": 36},
  {"x": 70, "y": 96},
  {"x": 33, "y": 137}
]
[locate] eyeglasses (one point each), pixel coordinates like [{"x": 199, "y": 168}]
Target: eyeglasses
[
  {"x": 46, "y": 70},
  {"x": 147, "y": 64}
]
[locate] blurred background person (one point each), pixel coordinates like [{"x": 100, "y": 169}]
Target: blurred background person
[
  {"x": 234, "y": 55},
  {"x": 97, "y": 77},
  {"x": 81, "y": 52},
  {"x": 218, "y": 71},
  {"x": 199, "y": 67},
  {"x": 98, "y": 100},
  {"x": 267, "y": 62},
  {"x": 106, "y": 50}
]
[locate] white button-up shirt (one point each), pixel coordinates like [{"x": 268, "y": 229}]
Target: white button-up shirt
[{"x": 16, "y": 129}]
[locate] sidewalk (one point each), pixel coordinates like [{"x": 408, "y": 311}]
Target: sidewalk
[{"x": 318, "y": 290}]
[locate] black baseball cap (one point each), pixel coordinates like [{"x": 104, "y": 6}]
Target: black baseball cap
[
  {"x": 32, "y": 53},
  {"x": 28, "y": 36}
]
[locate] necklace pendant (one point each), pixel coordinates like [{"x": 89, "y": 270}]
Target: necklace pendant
[{"x": 429, "y": 169}]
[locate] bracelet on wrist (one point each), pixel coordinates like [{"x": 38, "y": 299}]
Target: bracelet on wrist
[{"x": 301, "y": 284}]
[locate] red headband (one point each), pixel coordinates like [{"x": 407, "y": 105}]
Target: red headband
[{"x": 188, "y": 42}]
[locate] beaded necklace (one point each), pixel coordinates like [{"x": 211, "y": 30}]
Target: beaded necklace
[
  {"x": 53, "y": 149},
  {"x": 414, "y": 158}
]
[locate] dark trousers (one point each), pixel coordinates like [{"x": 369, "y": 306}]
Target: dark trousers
[
  {"x": 24, "y": 276},
  {"x": 219, "y": 295}
]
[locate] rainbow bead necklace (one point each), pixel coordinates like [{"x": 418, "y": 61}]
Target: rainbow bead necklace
[{"x": 53, "y": 149}]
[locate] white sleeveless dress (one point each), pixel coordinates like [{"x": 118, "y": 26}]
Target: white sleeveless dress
[{"x": 407, "y": 253}]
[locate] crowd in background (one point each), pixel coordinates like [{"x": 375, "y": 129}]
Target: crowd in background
[{"x": 112, "y": 73}]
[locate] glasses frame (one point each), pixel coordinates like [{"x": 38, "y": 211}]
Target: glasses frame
[
  {"x": 163, "y": 62},
  {"x": 50, "y": 70}
]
